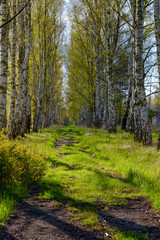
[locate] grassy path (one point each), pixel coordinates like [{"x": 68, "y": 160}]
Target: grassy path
[{"x": 97, "y": 186}]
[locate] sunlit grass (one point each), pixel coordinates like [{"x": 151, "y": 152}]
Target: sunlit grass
[
  {"x": 100, "y": 169},
  {"x": 6, "y": 207}
]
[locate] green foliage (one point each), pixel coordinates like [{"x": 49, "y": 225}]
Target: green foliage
[
  {"x": 3, "y": 134},
  {"x": 18, "y": 165},
  {"x": 19, "y": 168}
]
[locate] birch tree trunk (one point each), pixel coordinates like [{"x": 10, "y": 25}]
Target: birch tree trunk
[
  {"x": 19, "y": 106},
  {"x": 130, "y": 68},
  {"x": 3, "y": 63},
  {"x": 38, "y": 117},
  {"x": 97, "y": 83},
  {"x": 28, "y": 120},
  {"x": 157, "y": 31},
  {"x": 111, "y": 108},
  {"x": 130, "y": 124},
  {"x": 105, "y": 96},
  {"x": 157, "y": 34},
  {"x": 13, "y": 75},
  {"x": 39, "y": 113},
  {"x": 142, "y": 103},
  {"x": 25, "y": 94}
]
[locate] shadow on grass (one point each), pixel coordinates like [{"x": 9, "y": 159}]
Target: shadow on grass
[
  {"x": 55, "y": 191},
  {"x": 67, "y": 153},
  {"x": 136, "y": 179},
  {"x": 84, "y": 151},
  {"x": 138, "y": 231},
  {"x": 62, "y": 164},
  {"x": 70, "y": 131}
]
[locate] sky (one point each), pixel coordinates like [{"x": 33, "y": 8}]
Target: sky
[{"x": 67, "y": 22}]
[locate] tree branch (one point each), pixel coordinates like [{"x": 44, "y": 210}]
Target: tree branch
[{"x": 4, "y": 24}]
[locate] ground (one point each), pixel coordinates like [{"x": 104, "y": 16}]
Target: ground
[{"x": 54, "y": 214}]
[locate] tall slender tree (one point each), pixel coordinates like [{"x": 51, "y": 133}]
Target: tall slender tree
[
  {"x": 3, "y": 63},
  {"x": 13, "y": 74}
]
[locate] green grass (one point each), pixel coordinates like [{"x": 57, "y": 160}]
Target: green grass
[{"x": 101, "y": 169}]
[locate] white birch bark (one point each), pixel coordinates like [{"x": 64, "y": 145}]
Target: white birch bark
[
  {"x": 130, "y": 125},
  {"x": 157, "y": 34},
  {"x": 19, "y": 106},
  {"x": 13, "y": 74},
  {"x": 25, "y": 91},
  {"x": 129, "y": 98},
  {"x": 111, "y": 108},
  {"x": 111, "y": 125},
  {"x": 97, "y": 82},
  {"x": 38, "y": 117},
  {"x": 3, "y": 63},
  {"x": 146, "y": 130},
  {"x": 97, "y": 44},
  {"x": 28, "y": 120},
  {"x": 157, "y": 31}
]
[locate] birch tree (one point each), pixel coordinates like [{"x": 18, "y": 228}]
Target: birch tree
[
  {"x": 21, "y": 53},
  {"x": 48, "y": 60},
  {"x": 3, "y": 64},
  {"x": 13, "y": 74},
  {"x": 157, "y": 34},
  {"x": 142, "y": 113},
  {"x": 25, "y": 115}
]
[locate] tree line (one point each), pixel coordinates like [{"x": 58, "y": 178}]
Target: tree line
[
  {"x": 110, "y": 57},
  {"x": 114, "y": 47},
  {"x": 31, "y": 36}
]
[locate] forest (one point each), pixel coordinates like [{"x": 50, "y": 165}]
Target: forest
[{"x": 79, "y": 119}]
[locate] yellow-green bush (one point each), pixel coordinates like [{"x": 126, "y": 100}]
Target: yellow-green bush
[{"x": 18, "y": 165}]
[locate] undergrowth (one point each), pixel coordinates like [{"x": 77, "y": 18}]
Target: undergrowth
[{"x": 20, "y": 167}]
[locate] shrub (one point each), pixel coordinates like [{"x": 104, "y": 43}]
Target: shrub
[{"x": 18, "y": 165}]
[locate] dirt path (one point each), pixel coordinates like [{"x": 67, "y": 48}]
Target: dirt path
[
  {"x": 41, "y": 220},
  {"x": 137, "y": 216},
  {"x": 36, "y": 219}
]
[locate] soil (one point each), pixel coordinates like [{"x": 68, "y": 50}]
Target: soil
[
  {"x": 65, "y": 141},
  {"x": 136, "y": 215},
  {"x": 36, "y": 219}
]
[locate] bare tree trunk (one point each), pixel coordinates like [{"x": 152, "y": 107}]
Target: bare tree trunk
[
  {"x": 130, "y": 68},
  {"x": 111, "y": 108},
  {"x": 97, "y": 85},
  {"x": 28, "y": 120},
  {"x": 105, "y": 113},
  {"x": 38, "y": 119},
  {"x": 19, "y": 106},
  {"x": 130, "y": 125},
  {"x": 139, "y": 75},
  {"x": 157, "y": 34},
  {"x": 3, "y": 64},
  {"x": 13, "y": 75},
  {"x": 25, "y": 94},
  {"x": 137, "y": 118},
  {"x": 157, "y": 31}
]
